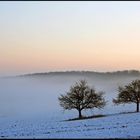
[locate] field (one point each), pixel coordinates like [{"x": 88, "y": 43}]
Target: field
[
  {"x": 29, "y": 108},
  {"x": 113, "y": 126}
]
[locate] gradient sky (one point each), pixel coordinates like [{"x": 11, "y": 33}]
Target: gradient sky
[{"x": 54, "y": 36}]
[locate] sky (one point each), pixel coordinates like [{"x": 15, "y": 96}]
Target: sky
[{"x": 45, "y": 36}]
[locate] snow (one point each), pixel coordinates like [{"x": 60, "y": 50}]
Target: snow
[
  {"x": 29, "y": 108},
  {"x": 115, "y": 126}
]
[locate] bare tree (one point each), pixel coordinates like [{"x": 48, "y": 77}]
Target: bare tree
[
  {"x": 80, "y": 97},
  {"x": 129, "y": 94}
]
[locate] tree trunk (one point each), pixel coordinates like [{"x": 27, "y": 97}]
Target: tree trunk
[
  {"x": 80, "y": 115},
  {"x": 138, "y": 106}
]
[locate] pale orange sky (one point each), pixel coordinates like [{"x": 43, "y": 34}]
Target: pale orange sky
[{"x": 53, "y": 36}]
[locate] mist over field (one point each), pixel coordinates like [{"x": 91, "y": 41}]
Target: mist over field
[
  {"x": 29, "y": 107},
  {"x": 37, "y": 95}
]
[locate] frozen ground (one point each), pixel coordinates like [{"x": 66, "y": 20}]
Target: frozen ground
[
  {"x": 115, "y": 126},
  {"x": 29, "y": 108}
]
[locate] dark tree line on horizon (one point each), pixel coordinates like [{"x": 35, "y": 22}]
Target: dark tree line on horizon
[{"x": 123, "y": 72}]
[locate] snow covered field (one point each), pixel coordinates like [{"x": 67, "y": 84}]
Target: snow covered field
[
  {"x": 29, "y": 108},
  {"x": 115, "y": 126}
]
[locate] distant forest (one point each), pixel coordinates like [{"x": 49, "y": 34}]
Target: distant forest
[{"x": 86, "y": 73}]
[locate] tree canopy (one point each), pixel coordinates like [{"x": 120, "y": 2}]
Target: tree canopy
[
  {"x": 80, "y": 97},
  {"x": 129, "y": 94}
]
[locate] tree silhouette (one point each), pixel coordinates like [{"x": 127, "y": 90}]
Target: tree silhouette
[
  {"x": 129, "y": 94},
  {"x": 80, "y": 97}
]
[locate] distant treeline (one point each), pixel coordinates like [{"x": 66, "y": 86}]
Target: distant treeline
[{"x": 121, "y": 73}]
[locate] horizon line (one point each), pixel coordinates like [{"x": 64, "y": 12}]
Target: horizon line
[{"x": 63, "y": 71}]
